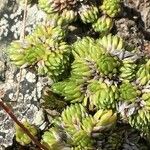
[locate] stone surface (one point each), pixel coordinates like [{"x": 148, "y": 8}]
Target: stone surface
[
  {"x": 143, "y": 7},
  {"x": 25, "y": 106},
  {"x": 127, "y": 29},
  {"x": 30, "y": 86},
  {"x": 11, "y": 19}
]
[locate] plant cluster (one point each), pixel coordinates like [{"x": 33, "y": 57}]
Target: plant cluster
[
  {"x": 21, "y": 136},
  {"x": 93, "y": 12},
  {"x": 103, "y": 80}
]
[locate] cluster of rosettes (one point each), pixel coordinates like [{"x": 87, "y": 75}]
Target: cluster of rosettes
[
  {"x": 45, "y": 48},
  {"x": 99, "y": 15},
  {"x": 107, "y": 74},
  {"x": 100, "y": 77},
  {"x": 75, "y": 128}
]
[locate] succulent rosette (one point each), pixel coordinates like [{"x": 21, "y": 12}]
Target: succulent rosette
[
  {"x": 46, "y": 48},
  {"x": 67, "y": 11},
  {"x": 76, "y": 126},
  {"x": 143, "y": 73},
  {"x": 103, "y": 94},
  {"x": 21, "y": 137},
  {"x": 70, "y": 9},
  {"x": 111, "y": 7},
  {"x": 106, "y": 75},
  {"x": 103, "y": 25}
]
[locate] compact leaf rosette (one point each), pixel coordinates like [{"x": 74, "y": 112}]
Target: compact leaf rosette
[
  {"x": 67, "y": 11},
  {"x": 74, "y": 128},
  {"x": 107, "y": 74},
  {"x": 46, "y": 48},
  {"x": 21, "y": 137}
]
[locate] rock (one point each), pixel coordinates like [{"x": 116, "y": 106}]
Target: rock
[
  {"x": 127, "y": 29},
  {"x": 12, "y": 17},
  {"x": 29, "y": 92},
  {"x": 3, "y": 6},
  {"x": 2, "y": 71},
  {"x": 25, "y": 106},
  {"x": 27, "y": 88},
  {"x": 39, "y": 118},
  {"x": 143, "y": 8}
]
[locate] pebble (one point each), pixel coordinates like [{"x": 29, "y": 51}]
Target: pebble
[
  {"x": 39, "y": 117},
  {"x": 31, "y": 77}
]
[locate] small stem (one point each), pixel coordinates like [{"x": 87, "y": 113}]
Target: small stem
[
  {"x": 13, "y": 117},
  {"x": 22, "y": 34}
]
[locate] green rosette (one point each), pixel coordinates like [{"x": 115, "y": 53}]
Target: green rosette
[
  {"x": 44, "y": 48},
  {"x": 66, "y": 9},
  {"x": 129, "y": 91},
  {"x": 82, "y": 141},
  {"x": 107, "y": 65},
  {"x": 143, "y": 74},
  {"x": 21, "y": 137},
  {"x": 71, "y": 89},
  {"x": 112, "y": 44},
  {"x": 72, "y": 118},
  {"x": 88, "y": 13},
  {"x": 56, "y": 62},
  {"x": 16, "y": 52},
  {"x": 43, "y": 33},
  {"x": 103, "y": 25},
  {"x": 111, "y": 7},
  {"x": 102, "y": 94},
  {"x": 128, "y": 69},
  {"x": 87, "y": 48},
  {"x": 82, "y": 69},
  {"x": 53, "y": 139},
  {"x": 141, "y": 119},
  {"x": 102, "y": 120}
]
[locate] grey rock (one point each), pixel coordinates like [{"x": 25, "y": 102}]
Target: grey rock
[
  {"x": 127, "y": 29},
  {"x": 2, "y": 70},
  {"x": 30, "y": 86},
  {"x": 11, "y": 20},
  {"x": 3, "y": 6},
  {"x": 39, "y": 119},
  {"x": 26, "y": 105},
  {"x": 143, "y": 7}
]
